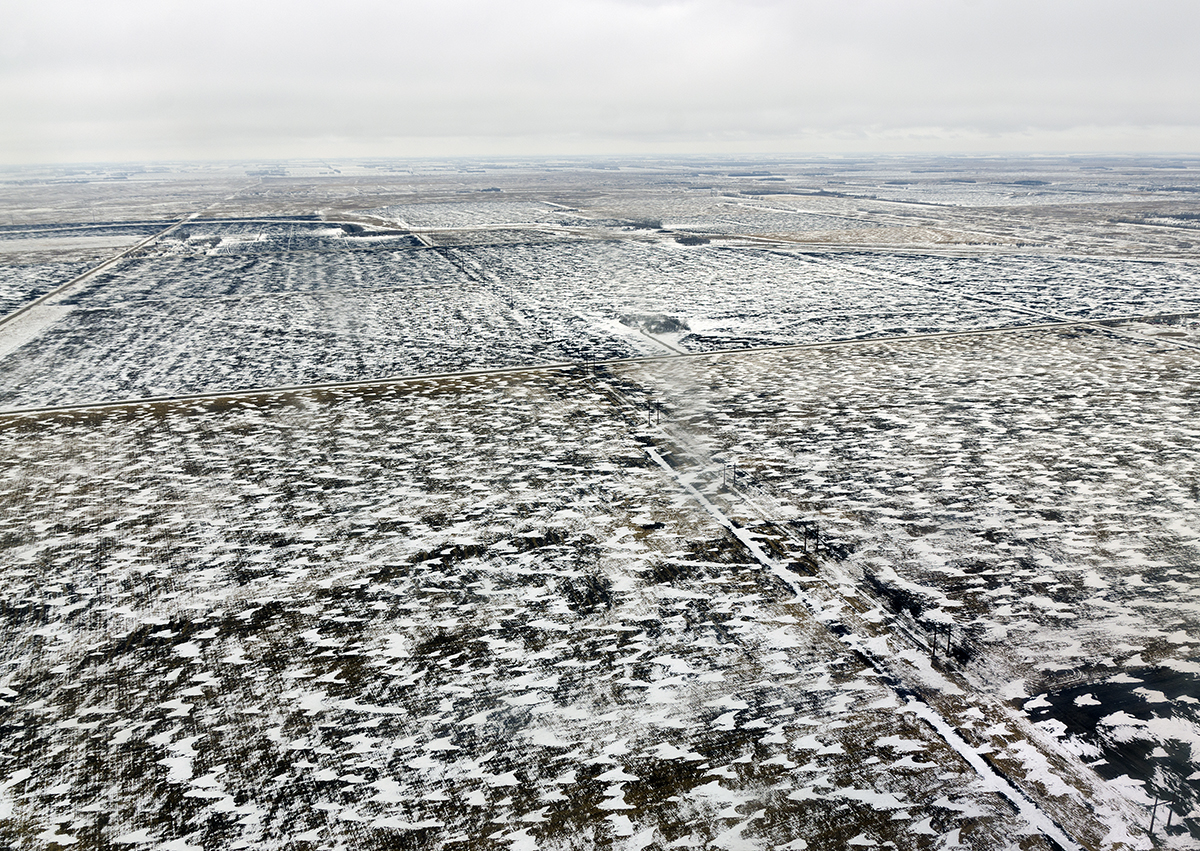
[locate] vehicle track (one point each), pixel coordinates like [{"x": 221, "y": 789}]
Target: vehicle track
[
  {"x": 861, "y": 623},
  {"x": 994, "y": 779}
]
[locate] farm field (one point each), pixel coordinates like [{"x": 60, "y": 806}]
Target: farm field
[
  {"x": 686, "y": 504},
  {"x": 227, "y": 307},
  {"x": 465, "y": 611},
  {"x": 1045, "y": 512}
]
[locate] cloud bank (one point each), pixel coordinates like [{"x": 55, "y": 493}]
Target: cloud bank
[{"x": 129, "y": 79}]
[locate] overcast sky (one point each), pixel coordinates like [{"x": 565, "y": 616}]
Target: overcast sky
[{"x": 123, "y": 80}]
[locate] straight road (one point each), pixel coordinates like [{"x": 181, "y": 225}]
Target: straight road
[{"x": 95, "y": 270}]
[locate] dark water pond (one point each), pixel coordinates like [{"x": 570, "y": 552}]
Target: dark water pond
[{"x": 1081, "y": 709}]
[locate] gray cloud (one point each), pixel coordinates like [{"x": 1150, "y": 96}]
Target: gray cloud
[{"x": 131, "y": 79}]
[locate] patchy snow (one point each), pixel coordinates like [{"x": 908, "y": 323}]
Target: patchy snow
[
  {"x": 501, "y": 609},
  {"x": 424, "y": 657}
]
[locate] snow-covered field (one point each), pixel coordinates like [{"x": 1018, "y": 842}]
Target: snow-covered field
[
  {"x": 986, "y": 194},
  {"x": 498, "y": 211},
  {"x": 20, "y": 284},
  {"x": 1067, "y": 287},
  {"x": 35, "y": 260},
  {"x": 446, "y": 614},
  {"x": 245, "y": 306},
  {"x": 1036, "y": 493},
  {"x": 573, "y": 604}
]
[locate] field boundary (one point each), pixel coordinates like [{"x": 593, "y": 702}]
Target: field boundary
[
  {"x": 79, "y": 279},
  {"x": 1101, "y": 325}
]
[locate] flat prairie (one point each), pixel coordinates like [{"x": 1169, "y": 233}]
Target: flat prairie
[{"x": 768, "y": 504}]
